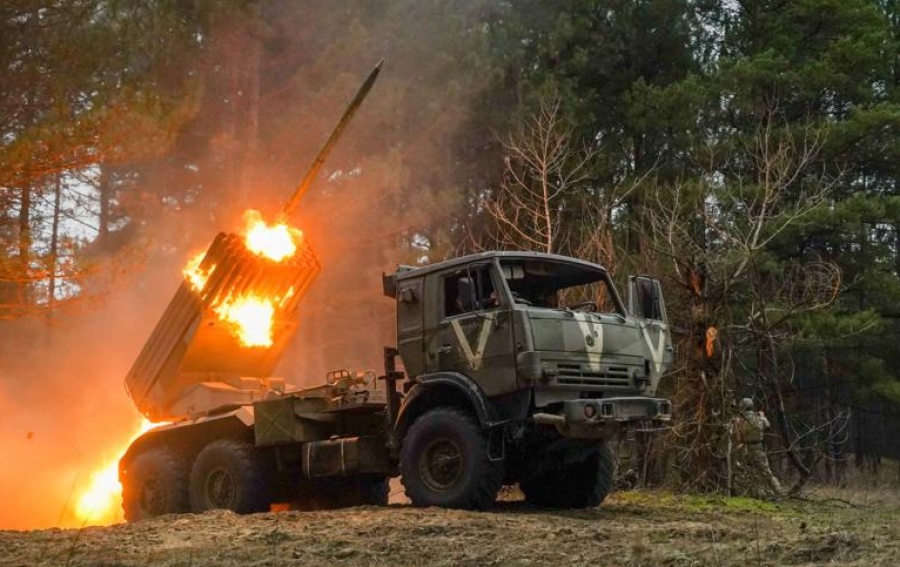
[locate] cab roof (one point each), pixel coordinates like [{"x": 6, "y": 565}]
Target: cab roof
[{"x": 405, "y": 272}]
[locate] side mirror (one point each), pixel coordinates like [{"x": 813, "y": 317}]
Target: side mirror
[{"x": 389, "y": 285}]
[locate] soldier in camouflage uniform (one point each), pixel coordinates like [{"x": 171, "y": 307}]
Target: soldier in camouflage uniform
[{"x": 750, "y": 426}]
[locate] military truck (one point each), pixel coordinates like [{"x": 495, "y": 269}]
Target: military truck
[{"x": 517, "y": 367}]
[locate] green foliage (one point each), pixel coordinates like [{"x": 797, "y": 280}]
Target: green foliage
[
  {"x": 754, "y": 146},
  {"x": 82, "y": 89},
  {"x": 766, "y": 140}
]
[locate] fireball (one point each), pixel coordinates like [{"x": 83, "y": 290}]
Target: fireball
[
  {"x": 101, "y": 501},
  {"x": 251, "y": 318},
  {"x": 275, "y": 242}
]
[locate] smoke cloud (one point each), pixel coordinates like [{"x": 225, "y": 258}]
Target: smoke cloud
[{"x": 62, "y": 399}]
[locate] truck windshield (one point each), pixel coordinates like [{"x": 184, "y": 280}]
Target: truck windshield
[{"x": 559, "y": 285}]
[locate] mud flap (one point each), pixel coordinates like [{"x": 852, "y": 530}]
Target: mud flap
[{"x": 496, "y": 444}]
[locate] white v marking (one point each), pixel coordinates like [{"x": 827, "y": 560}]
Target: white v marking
[
  {"x": 656, "y": 352},
  {"x": 474, "y": 358}
]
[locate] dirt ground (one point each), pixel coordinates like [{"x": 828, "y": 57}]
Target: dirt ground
[{"x": 632, "y": 528}]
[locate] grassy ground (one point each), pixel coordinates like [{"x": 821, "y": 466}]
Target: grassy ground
[{"x": 634, "y": 528}]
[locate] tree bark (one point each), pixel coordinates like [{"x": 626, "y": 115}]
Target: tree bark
[
  {"x": 54, "y": 244},
  {"x": 22, "y": 295},
  {"x": 105, "y": 197}
]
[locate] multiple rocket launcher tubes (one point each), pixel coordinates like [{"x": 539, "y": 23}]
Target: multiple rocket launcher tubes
[{"x": 194, "y": 343}]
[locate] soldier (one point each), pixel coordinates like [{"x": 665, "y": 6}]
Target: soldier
[{"x": 750, "y": 426}]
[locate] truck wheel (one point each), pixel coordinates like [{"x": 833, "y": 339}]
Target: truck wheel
[
  {"x": 156, "y": 484},
  {"x": 229, "y": 474},
  {"x": 444, "y": 462},
  {"x": 583, "y": 484}
]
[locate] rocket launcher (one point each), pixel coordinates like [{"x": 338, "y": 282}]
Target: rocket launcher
[{"x": 194, "y": 361}]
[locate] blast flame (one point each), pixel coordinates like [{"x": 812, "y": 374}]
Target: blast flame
[
  {"x": 275, "y": 242},
  {"x": 194, "y": 275},
  {"x": 100, "y": 498},
  {"x": 101, "y": 502},
  {"x": 251, "y": 318}
]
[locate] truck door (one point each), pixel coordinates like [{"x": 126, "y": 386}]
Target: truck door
[
  {"x": 472, "y": 331},
  {"x": 645, "y": 301},
  {"x": 409, "y": 325}
]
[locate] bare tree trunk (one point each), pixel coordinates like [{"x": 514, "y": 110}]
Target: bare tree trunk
[
  {"x": 105, "y": 197},
  {"x": 54, "y": 244},
  {"x": 544, "y": 168},
  {"x": 729, "y": 464},
  {"x": 23, "y": 284},
  {"x": 796, "y": 459}
]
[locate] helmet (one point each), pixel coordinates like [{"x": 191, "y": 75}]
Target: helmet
[{"x": 746, "y": 404}]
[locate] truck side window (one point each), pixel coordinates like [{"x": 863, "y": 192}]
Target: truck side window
[
  {"x": 457, "y": 294},
  {"x": 469, "y": 290},
  {"x": 605, "y": 301}
]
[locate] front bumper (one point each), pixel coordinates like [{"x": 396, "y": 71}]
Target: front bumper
[{"x": 601, "y": 418}]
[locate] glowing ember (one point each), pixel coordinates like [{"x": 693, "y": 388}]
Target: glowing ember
[
  {"x": 290, "y": 293},
  {"x": 274, "y": 242},
  {"x": 251, "y": 318},
  {"x": 101, "y": 501},
  {"x": 194, "y": 275}
]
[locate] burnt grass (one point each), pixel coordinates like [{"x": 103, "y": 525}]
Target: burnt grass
[{"x": 632, "y": 528}]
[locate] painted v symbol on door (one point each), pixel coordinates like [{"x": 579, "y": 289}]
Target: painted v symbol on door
[{"x": 474, "y": 358}]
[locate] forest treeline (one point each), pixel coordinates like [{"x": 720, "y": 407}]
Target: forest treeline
[{"x": 745, "y": 152}]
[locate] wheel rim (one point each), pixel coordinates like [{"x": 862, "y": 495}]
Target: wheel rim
[
  {"x": 152, "y": 499},
  {"x": 441, "y": 465},
  {"x": 220, "y": 489}
]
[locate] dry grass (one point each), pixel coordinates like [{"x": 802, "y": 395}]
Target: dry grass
[{"x": 636, "y": 528}]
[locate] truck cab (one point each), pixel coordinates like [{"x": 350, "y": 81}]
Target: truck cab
[{"x": 538, "y": 351}]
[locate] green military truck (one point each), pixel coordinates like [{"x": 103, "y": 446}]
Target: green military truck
[{"x": 517, "y": 367}]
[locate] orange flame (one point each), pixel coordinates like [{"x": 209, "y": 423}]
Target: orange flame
[
  {"x": 275, "y": 242},
  {"x": 101, "y": 502},
  {"x": 251, "y": 318},
  {"x": 194, "y": 275}
]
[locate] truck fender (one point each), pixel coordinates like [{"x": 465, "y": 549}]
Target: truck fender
[
  {"x": 441, "y": 389},
  {"x": 189, "y": 436}
]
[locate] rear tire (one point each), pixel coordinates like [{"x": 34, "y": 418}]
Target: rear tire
[
  {"x": 155, "y": 484},
  {"x": 583, "y": 484},
  {"x": 229, "y": 474},
  {"x": 444, "y": 462}
]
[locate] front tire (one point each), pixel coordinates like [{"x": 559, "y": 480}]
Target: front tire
[
  {"x": 444, "y": 462},
  {"x": 229, "y": 474},
  {"x": 156, "y": 483},
  {"x": 583, "y": 484}
]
